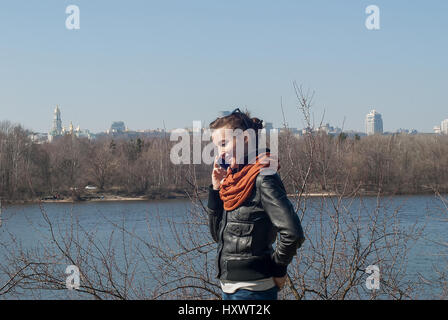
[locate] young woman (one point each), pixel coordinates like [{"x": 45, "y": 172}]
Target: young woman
[{"x": 247, "y": 210}]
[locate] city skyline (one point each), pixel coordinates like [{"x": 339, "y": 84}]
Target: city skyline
[
  {"x": 153, "y": 64},
  {"x": 360, "y": 128},
  {"x": 373, "y": 123}
]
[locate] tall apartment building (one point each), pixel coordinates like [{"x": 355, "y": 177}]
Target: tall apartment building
[
  {"x": 444, "y": 126},
  {"x": 374, "y": 123}
]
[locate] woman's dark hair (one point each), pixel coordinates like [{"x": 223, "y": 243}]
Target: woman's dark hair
[{"x": 237, "y": 120}]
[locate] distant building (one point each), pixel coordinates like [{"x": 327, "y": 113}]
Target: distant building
[
  {"x": 57, "y": 121},
  {"x": 268, "y": 126},
  {"x": 374, "y": 123},
  {"x": 437, "y": 130},
  {"x": 325, "y": 128},
  {"x": 329, "y": 129},
  {"x": 81, "y": 133},
  {"x": 283, "y": 130},
  {"x": 57, "y": 124},
  {"x": 444, "y": 127},
  {"x": 58, "y": 130},
  {"x": 407, "y": 131},
  {"x": 118, "y": 126},
  {"x": 38, "y": 137}
]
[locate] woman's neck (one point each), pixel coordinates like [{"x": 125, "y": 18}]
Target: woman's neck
[{"x": 249, "y": 158}]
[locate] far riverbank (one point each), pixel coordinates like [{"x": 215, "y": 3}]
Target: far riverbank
[{"x": 178, "y": 194}]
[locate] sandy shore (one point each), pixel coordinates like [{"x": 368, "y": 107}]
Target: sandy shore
[
  {"x": 314, "y": 194},
  {"x": 105, "y": 198},
  {"x": 119, "y": 198}
]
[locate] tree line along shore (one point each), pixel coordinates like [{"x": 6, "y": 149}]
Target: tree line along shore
[{"x": 132, "y": 169}]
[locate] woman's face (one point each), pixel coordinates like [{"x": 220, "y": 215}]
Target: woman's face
[{"x": 226, "y": 142}]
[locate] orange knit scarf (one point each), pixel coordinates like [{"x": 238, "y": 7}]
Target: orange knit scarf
[{"x": 236, "y": 187}]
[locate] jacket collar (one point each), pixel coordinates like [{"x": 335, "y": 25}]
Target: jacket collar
[{"x": 247, "y": 157}]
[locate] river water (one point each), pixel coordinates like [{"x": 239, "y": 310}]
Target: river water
[{"x": 25, "y": 225}]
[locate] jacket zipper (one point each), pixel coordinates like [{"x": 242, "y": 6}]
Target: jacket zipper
[{"x": 222, "y": 244}]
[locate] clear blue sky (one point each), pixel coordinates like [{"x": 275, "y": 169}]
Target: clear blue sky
[{"x": 145, "y": 62}]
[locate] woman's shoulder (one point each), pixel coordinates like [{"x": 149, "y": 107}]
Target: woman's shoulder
[{"x": 268, "y": 180}]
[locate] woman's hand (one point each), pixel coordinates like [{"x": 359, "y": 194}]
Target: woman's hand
[
  {"x": 280, "y": 282},
  {"x": 218, "y": 175}
]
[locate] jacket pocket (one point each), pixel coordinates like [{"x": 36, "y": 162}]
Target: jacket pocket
[
  {"x": 240, "y": 229},
  {"x": 240, "y": 237}
]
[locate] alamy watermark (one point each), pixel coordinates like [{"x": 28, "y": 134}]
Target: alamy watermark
[
  {"x": 73, "y": 279},
  {"x": 373, "y": 20},
  {"x": 72, "y": 22},
  {"x": 373, "y": 281}
]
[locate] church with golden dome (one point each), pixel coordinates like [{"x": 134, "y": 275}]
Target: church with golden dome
[{"x": 58, "y": 130}]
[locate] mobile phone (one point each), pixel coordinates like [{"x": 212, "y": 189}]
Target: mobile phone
[{"x": 222, "y": 163}]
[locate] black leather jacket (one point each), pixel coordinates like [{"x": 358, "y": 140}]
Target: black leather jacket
[{"x": 245, "y": 235}]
